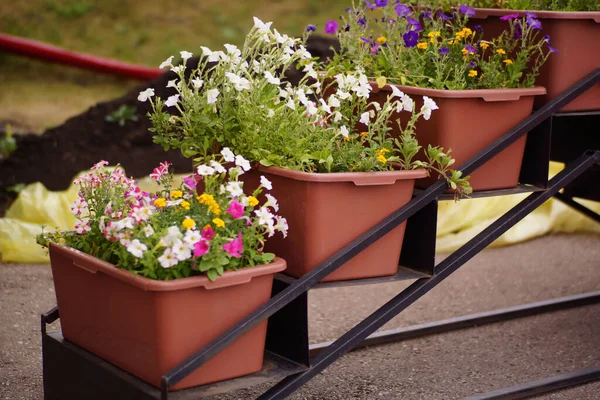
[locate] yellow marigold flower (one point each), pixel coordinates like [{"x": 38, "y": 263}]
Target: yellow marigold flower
[
  {"x": 484, "y": 45},
  {"x": 175, "y": 194},
  {"x": 433, "y": 35},
  {"x": 207, "y": 226},
  {"x": 500, "y": 51},
  {"x": 205, "y": 199},
  {"x": 215, "y": 209},
  {"x": 459, "y": 35},
  {"x": 382, "y": 151},
  {"x": 467, "y": 31},
  {"x": 381, "y": 39},
  {"x": 464, "y": 51},
  {"x": 364, "y": 134},
  {"x": 381, "y": 159},
  {"x": 160, "y": 202},
  {"x": 253, "y": 201},
  {"x": 188, "y": 223},
  {"x": 422, "y": 45},
  {"x": 472, "y": 73},
  {"x": 451, "y": 41},
  {"x": 219, "y": 223},
  {"x": 185, "y": 205},
  {"x": 346, "y": 138},
  {"x": 507, "y": 61}
]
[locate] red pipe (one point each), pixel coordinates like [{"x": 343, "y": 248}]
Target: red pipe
[{"x": 43, "y": 51}]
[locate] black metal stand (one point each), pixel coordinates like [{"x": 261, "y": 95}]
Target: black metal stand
[{"x": 286, "y": 310}]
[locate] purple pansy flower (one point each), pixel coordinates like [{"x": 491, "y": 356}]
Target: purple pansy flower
[
  {"x": 532, "y": 21},
  {"x": 466, "y": 10},
  {"x": 402, "y": 10},
  {"x": 443, "y": 16},
  {"x": 375, "y": 49},
  {"x": 509, "y": 17},
  {"x": 361, "y": 21},
  {"x": 380, "y": 3},
  {"x": 426, "y": 14},
  {"x": 415, "y": 24},
  {"x": 444, "y": 50},
  {"x": 470, "y": 48},
  {"x": 478, "y": 28},
  {"x": 311, "y": 28},
  {"x": 331, "y": 27},
  {"x": 410, "y": 38}
]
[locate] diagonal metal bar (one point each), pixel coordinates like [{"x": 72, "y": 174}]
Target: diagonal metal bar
[
  {"x": 544, "y": 385},
  {"x": 337, "y": 260},
  {"x": 577, "y": 206},
  {"x": 407, "y": 297},
  {"x": 469, "y": 321}
]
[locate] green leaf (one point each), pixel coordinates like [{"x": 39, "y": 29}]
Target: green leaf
[
  {"x": 212, "y": 274},
  {"x": 268, "y": 257}
]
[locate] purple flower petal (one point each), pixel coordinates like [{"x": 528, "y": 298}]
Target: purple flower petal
[
  {"x": 444, "y": 50},
  {"x": 331, "y": 27},
  {"x": 311, "y": 28},
  {"x": 410, "y": 38},
  {"x": 470, "y": 48},
  {"x": 369, "y": 5},
  {"x": 415, "y": 24},
  {"x": 402, "y": 10},
  {"x": 361, "y": 21},
  {"x": 443, "y": 16},
  {"x": 509, "y": 17},
  {"x": 380, "y": 3},
  {"x": 466, "y": 10}
]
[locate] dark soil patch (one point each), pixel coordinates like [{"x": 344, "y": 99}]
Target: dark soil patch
[{"x": 56, "y": 156}]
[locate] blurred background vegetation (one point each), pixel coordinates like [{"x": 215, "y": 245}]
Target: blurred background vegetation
[{"x": 35, "y": 95}]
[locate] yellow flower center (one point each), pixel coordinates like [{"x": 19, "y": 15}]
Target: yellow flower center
[
  {"x": 472, "y": 73},
  {"x": 381, "y": 39},
  {"x": 175, "y": 194},
  {"x": 160, "y": 202},
  {"x": 219, "y": 223},
  {"x": 507, "y": 61},
  {"x": 422, "y": 45},
  {"x": 346, "y": 138},
  {"x": 253, "y": 201},
  {"x": 188, "y": 223},
  {"x": 500, "y": 51}
]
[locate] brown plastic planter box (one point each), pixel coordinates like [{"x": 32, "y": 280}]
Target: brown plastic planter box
[
  {"x": 576, "y": 36},
  {"x": 325, "y": 212},
  {"x": 147, "y": 327},
  {"x": 468, "y": 121}
]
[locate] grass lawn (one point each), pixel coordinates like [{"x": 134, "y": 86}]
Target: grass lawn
[{"x": 36, "y": 95}]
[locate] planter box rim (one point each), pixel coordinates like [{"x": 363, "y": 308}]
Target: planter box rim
[
  {"x": 358, "y": 178},
  {"x": 230, "y": 278},
  {"x": 482, "y": 13},
  {"x": 490, "y": 95}
]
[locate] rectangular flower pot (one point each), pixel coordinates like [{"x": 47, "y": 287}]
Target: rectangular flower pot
[
  {"x": 576, "y": 36},
  {"x": 468, "y": 121},
  {"x": 325, "y": 212},
  {"x": 147, "y": 327}
]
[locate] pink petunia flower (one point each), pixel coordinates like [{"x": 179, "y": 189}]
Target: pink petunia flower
[
  {"x": 201, "y": 247},
  {"x": 236, "y": 210},
  {"x": 235, "y": 247},
  {"x": 207, "y": 233}
]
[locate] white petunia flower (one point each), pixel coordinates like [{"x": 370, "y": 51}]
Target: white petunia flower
[
  {"x": 310, "y": 71},
  {"x": 304, "y": 53},
  {"x": 166, "y": 63},
  {"x": 172, "y": 100},
  {"x": 168, "y": 259},
  {"x": 337, "y": 116},
  {"x": 397, "y": 92},
  {"x": 185, "y": 55},
  {"x": 233, "y": 50},
  {"x": 205, "y": 170},
  {"x": 408, "y": 103},
  {"x": 364, "y": 118},
  {"x": 311, "y": 108},
  {"x": 148, "y": 231},
  {"x": 213, "y": 56},
  {"x": 266, "y": 183},
  {"x": 261, "y": 26},
  {"x": 228, "y": 155},
  {"x": 238, "y": 82},
  {"x": 344, "y": 131},
  {"x": 281, "y": 225},
  {"x": 428, "y": 106},
  {"x": 302, "y": 96},
  {"x": 271, "y": 79},
  {"x": 270, "y": 113},
  {"x": 290, "y": 103},
  {"x": 271, "y": 202},
  {"x": 146, "y": 94},
  {"x": 217, "y": 166},
  {"x": 197, "y": 82},
  {"x": 333, "y": 101},
  {"x": 234, "y": 189},
  {"x": 181, "y": 250},
  {"x": 242, "y": 162},
  {"x": 342, "y": 94},
  {"x": 137, "y": 248},
  {"x": 172, "y": 83},
  {"x": 178, "y": 69},
  {"x": 82, "y": 226},
  {"x": 211, "y": 96},
  {"x": 325, "y": 107},
  {"x": 264, "y": 216}
]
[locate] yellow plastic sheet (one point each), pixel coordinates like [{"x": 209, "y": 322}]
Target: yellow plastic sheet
[{"x": 458, "y": 222}]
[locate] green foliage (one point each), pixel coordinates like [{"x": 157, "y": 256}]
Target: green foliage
[
  {"x": 122, "y": 115},
  {"x": 540, "y": 5},
  {"x": 69, "y": 8},
  {"x": 445, "y": 54},
  {"x": 8, "y": 143}
]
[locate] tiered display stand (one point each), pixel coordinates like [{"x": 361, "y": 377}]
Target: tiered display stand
[{"x": 574, "y": 138}]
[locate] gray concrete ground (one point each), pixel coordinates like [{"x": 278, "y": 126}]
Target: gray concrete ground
[{"x": 445, "y": 366}]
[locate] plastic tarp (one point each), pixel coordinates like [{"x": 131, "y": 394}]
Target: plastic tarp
[{"x": 458, "y": 222}]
